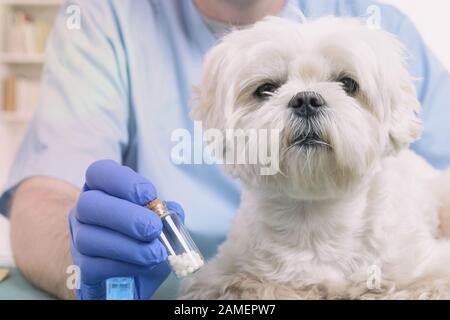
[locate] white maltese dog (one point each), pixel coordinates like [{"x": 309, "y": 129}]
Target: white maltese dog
[{"x": 352, "y": 213}]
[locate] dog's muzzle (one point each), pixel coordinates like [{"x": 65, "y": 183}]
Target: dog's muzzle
[
  {"x": 307, "y": 103},
  {"x": 307, "y": 109}
]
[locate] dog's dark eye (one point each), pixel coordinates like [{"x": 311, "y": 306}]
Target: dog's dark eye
[
  {"x": 349, "y": 85},
  {"x": 266, "y": 90}
]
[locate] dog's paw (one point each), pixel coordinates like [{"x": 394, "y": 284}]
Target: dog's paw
[{"x": 240, "y": 287}]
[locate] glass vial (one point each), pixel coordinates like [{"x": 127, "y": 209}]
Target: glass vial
[{"x": 183, "y": 255}]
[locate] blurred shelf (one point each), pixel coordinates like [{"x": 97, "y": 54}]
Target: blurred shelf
[
  {"x": 31, "y": 3},
  {"x": 13, "y": 117},
  {"x": 17, "y": 58}
]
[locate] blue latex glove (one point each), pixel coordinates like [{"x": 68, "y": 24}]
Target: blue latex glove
[{"x": 113, "y": 235}]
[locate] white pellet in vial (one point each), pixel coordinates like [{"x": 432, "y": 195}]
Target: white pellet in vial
[{"x": 185, "y": 263}]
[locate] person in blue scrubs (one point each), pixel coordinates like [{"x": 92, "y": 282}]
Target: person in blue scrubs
[{"x": 116, "y": 88}]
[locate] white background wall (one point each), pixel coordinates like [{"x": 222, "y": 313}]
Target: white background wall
[{"x": 432, "y": 18}]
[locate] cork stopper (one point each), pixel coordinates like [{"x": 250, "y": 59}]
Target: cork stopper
[{"x": 157, "y": 206}]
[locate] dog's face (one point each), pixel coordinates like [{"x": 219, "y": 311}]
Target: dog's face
[{"x": 338, "y": 92}]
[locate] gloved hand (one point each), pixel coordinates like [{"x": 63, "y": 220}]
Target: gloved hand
[{"x": 113, "y": 235}]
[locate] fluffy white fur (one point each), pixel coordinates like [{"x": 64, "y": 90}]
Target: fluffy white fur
[{"x": 335, "y": 209}]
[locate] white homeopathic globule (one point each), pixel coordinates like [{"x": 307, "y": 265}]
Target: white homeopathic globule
[{"x": 185, "y": 263}]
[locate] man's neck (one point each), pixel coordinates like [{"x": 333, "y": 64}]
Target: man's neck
[{"x": 239, "y": 12}]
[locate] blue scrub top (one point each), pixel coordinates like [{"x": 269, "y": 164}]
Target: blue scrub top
[{"x": 120, "y": 85}]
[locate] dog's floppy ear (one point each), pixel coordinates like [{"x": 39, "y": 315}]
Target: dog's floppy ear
[
  {"x": 405, "y": 126},
  {"x": 206, "y": 96},
  {"x": 396, "y": 90}
]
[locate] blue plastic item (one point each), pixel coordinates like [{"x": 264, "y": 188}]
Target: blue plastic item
[{"x": 120, "y": 288}]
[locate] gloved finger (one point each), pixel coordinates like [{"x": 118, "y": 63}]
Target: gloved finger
[
  {"x": 98, "y": 208},
  {"x": 95, "y": 270},
  {"x": 120, "y": 181},
  {"x": 175, "y": 206},
  {"x": 148, "y": 283},
  {"x": 96, "y": 241}
]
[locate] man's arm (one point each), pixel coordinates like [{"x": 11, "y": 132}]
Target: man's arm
[
  {"x": 444, "y": 216},
  {"x": 83, "y": 116},
  {"x": 40, "y": 232}
]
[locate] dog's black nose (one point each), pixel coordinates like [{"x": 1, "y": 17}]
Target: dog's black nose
[{"x": 306, "y": 103}]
